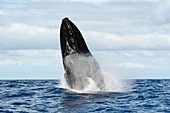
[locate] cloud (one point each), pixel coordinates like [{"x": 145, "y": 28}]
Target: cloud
[
  {"x": 128, "y": 42},
  {"x": 134, "y": 33},
  {"x": 105, "y": 1},
  {"x": 11, "y": 63},
  {"x": 29, "y": 58},
  {"x": 2, "y": 13},
  {"x": 90, "y": 1},
  {"x": 162, "y": 11},
  {"x": 31, "y": 53},
  {"x": 112, "y": 25},
  {"x": 48, "y": 63},
  {"x": 22, "y": 36},
  {"x": 128, "y": 65},
  {"x": 30, "y": 64}
]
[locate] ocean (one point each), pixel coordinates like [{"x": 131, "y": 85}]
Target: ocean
[{"x": 25, "y": 96}]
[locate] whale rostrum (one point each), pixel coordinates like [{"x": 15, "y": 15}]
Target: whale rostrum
[{"x": 79, "y": 64}]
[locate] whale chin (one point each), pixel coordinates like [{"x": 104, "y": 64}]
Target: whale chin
[{"x": 78, "y": 62}]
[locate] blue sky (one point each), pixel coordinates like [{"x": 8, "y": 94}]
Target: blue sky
[{"x": 129, "y": 38}]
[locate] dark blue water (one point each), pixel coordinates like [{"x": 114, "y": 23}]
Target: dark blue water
[{"x": 46, "y": 96}]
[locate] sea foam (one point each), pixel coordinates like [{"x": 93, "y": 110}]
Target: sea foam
[{"x": 83, "y": 67}]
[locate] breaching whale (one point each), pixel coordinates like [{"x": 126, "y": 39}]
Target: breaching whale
[{"x": 79, "y": 64}]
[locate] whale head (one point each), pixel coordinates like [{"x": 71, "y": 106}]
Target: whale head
[{"x": 71, "y": 39}]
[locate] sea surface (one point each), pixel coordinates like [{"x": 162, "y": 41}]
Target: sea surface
[{"x": 25, "y": 96}]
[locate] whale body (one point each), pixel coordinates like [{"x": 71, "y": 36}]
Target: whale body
[{"x": 79, "y": 64}]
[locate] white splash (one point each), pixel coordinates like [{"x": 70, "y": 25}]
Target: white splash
[
  {"x": 83, "y": 66},
  {"x": 112, "y": 84}
]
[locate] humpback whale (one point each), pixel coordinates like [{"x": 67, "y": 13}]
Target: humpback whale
[{"x": 79, "y": 64}]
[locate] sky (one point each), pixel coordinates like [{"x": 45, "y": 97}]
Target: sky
[{"x": 129, "y": 38}]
